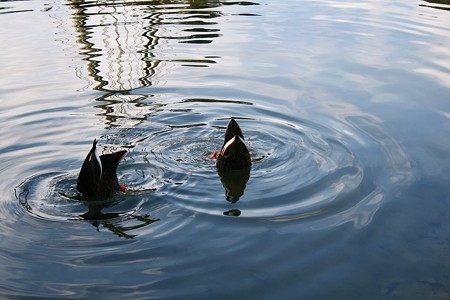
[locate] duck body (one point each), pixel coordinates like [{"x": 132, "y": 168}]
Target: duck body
[
  {"x": 234, "y": 154},
  {"x": 98, "y": 176}
]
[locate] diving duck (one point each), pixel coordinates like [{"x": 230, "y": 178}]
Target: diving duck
[
  {"x": 234, "y": 154},
  {"x": 98, "y": 176}
]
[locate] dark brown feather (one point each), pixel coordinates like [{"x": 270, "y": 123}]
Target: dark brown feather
[
  {"x": 98, "y": 178},
  {"x": 234, "y": 154}
]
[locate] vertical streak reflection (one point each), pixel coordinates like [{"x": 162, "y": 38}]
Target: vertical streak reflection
[
  {"x": 126, "y": 44},
  {"x": 117, "y": 49}
]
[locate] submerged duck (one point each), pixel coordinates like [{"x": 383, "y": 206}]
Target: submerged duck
[
  {"x": 234, "y": 154},
  {"x": 98, "y": 176}
]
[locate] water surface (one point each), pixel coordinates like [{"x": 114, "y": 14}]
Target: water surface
[{"x": 344, "y": 106}]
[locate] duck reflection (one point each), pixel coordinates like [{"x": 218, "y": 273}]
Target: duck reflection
[
  {"x": 114, "y": 221},
  {"x": 234, "y": 183}
]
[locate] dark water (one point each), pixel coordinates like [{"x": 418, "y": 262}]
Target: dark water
[{"x": 346, "y": 109}]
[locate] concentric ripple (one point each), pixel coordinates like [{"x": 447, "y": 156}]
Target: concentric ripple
[
  {"x": 316, "y": 171},
  {"x": 298, "y": 171},
  {"x": 301, "y": 169},
  {"x": 53, "y": 197}
]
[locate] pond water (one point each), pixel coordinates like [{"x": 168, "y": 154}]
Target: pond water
[{"x": 345, "y": 106}]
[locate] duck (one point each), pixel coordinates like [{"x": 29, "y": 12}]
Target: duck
[
  {"x": 234, "y": 154},
  {"x": 98, "y": 176}
]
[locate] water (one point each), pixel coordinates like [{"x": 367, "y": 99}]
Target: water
[{"x": 345, "y": 109}]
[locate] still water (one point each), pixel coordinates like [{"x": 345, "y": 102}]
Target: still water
[{"x": 346, "y": 110}]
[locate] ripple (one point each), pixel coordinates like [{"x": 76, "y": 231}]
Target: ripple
[
  {"x": 301, "y": 169},
  {"x": 53, "y": 197},
  {"x": 297, "y": 172},
  {"x": 328, "y": 171}
]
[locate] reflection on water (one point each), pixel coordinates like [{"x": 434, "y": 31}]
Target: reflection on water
[
  {"x": 441, "y": 4},
  {"x": 46, "y": 196},
  {"x": 234, "y": 183},
  {"x": 96, "y": 217},
  {"x": 345, "y": 111},
  {"x": 132, "y": 44},
  {"x": 126, "y": 45}
]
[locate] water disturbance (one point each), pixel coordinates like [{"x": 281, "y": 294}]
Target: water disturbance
[{"x": 344, "y": 108}]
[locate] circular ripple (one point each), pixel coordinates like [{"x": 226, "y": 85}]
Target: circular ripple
[
  {"x": 53, "y": 197},
  {"x": 331, "y": 171},
  {"x": 301, "y": 169},
  {"x": 296, "y": 171},
  {"x": 49, "y": 196}
]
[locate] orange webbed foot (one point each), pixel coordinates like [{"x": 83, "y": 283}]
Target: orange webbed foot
[{"x": 214, "y": 155}]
